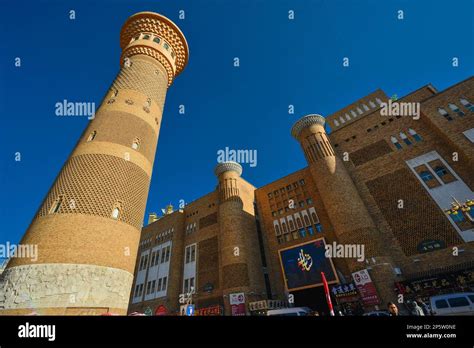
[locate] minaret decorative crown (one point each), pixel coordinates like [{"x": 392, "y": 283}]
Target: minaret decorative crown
[
  {"x": 156, "y": 36},
  {"x": 305, "y": 122},
  {"x": 226, "y": 166}
]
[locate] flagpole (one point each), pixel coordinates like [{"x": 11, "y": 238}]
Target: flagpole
[{"x": 328, "y": 296}]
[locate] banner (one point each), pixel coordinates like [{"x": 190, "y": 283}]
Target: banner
[
  {"x": 237, "y": 304},
  {"x": 366, "y": 288}
]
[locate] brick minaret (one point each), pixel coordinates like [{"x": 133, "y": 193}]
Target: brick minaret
[
  {"x": 348, "y": 214},
  {"x": 88, "y": 227},
  {"x": 241, "y": 269}
]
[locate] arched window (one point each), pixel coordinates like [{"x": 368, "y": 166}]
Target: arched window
[
  {"x": 372, "y": 104},
  {"x": 306, "y": 220},
  {"x": 414, "y": 134},
  {"x": 366, "y": 108},
  {"x": 292, "y": 225},
  {"x": 348, "y": 117},
  {"x": 116, "y": 213},
  {"x": 467, "y": 104},
  {"x": 56, "y": 205},
  {"x": 136, "y": 144},
  {"x": 336, "y": 123},
  {"x": 298, "y": 222},
  {"x": 455, "y": 108},
  {"x": 405, "y": 138},
  {"x": 445, "y": 114},
  {"x": 283, "y": 227},
  {"x": 353, "y": 113},
  {"x": 378, "y": 101},
  {"x": 395, "y": 142},
  {"x": 359, "y": 110},
  {"x": 92, "y": 136},
  {"x": 277, "y": 230},
  {"x": 341, "y": 119}
]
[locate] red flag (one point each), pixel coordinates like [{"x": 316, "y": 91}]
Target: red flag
[{"x": 328, "y": 296}]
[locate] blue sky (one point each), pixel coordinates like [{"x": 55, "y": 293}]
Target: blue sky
[{"x": 282, "y": 62}]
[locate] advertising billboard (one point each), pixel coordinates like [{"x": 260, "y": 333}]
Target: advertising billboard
[{"x": 302, "y": 265}]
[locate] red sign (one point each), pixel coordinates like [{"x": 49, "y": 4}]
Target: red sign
[
  {"x": 237, "y": 304},
  {"x": 238, "y": 310},
  {"x": 207, "y": 311},
  {"x": 366, "y": 288},
  {"x": 161, "y": 310}
]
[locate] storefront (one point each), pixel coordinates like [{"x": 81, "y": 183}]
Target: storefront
[
  {"x": 261, "y": 307},
  {"x": 348, "y": 300},
  {"x": 422, "y": 288}
]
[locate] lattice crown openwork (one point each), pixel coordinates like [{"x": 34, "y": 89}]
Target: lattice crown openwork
[
  {"x": 226, "y": 166},
  {"x": 305, "y": 122},
  {"x": 150, "y": 22}
]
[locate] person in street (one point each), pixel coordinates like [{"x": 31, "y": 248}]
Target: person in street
[
  {"x": 392, "y": 309},
  {"x": 415, "y": 310},
  {"x": 424, "y": 306}
]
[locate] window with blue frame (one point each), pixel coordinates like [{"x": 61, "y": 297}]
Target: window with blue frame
[
  {"x": 310, "y": 230},
  {"x": 441, "y": 171},
  {"x": 459, "y": 217},
  {"x": 471, "y": 212},
  {"x": 319, "y": 228},
  {"x": 302, "y": 232},
  {"x": 426, "y": 176}
]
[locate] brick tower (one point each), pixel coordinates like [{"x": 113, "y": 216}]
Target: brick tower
[
  {"x": 348, "y": 214},
  {"x": 241, "y": 268},
  {"x": 88, "y": 227}
]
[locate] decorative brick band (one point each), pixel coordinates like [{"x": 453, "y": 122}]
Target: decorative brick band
[
  {"x": 64, "y": 285},
  {"x": 305, "y": 122},
  {"x": 150, "y": 52},
  {"x": 226, "y": 166}
]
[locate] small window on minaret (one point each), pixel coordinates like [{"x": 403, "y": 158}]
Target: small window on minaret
[
  {"x": 115, "y": 213},
  {"x": 136, "y": 144},
  {"x": 146, "y": 37},
  {"x": 396, "y": 143},
  {"x": 166, "y": 46},
  {"x": 414, "y": 134},
  {"x": 157, "y": 40},
  {"x": 56, "y": 205},
  {"x": 466, "y": 104},
  {"x": 405, "y": 138},
  {"x": 92, "y": 136}
]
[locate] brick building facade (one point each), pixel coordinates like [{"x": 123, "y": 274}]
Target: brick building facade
[{"x": 379, "y": 180}]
